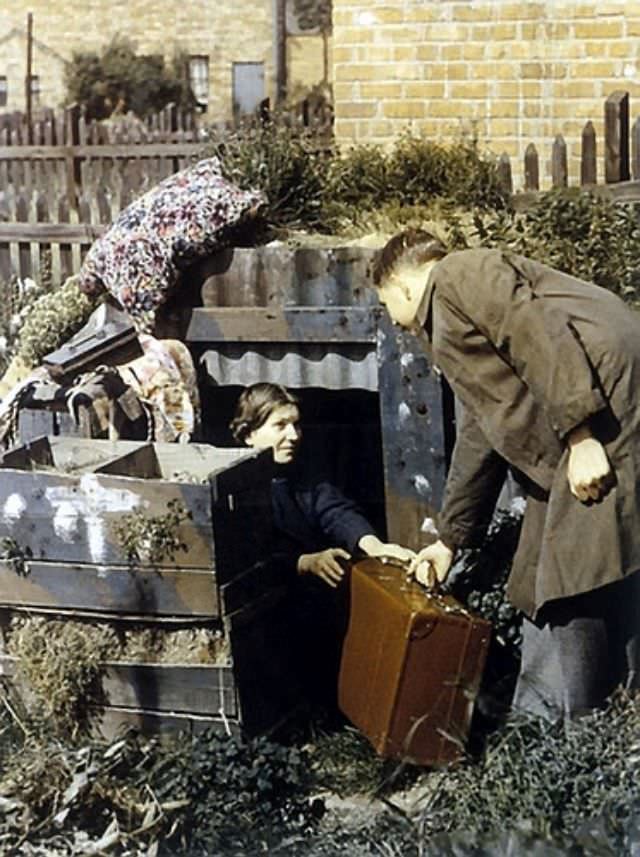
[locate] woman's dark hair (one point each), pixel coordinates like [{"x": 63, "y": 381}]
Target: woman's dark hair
[
  {"x": 255, "y": 406},
  {"x": 413, "y": 246}
]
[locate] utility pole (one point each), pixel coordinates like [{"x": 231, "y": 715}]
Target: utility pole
[
  {"x": 28, "y": 78},
  {"x": 281, "y": 50}
]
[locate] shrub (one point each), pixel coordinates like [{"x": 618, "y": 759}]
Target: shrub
[
  {"x": 551, "y": 778},
  {"x": 280, "y": 160},
  {"x": 238, "y": 794},
  {"x": 577, "y": 232},
  {"x": 420, "y": 169},
  {"x": 310, "y": 186}
]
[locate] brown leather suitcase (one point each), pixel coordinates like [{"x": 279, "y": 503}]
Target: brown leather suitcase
[{"x": 411, "y": 666}]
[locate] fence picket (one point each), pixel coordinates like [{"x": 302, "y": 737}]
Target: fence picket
[
  {"x": 531, "y": 168},
  {"x": 635, "y": 150},
  {"x": 616, "y": 137},
  {"x": 588, "y": 159},
  {"x": 559, "y": 170}
]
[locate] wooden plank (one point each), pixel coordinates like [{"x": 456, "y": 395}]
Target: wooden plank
[
  {"x": 74, "y": 518},
  {"x": 504, "y": 173},
  {"x": 115, "y": 589},
  {"x": 116, "y": 721},
  {"x": 61, "y": 233},
  {"x": 635, "y": 150},
  {"x": 531, "y": 168},
  {"x": 271, "y": 324},
  {"x": 559, "y": 168},
  {"x": 195, "y": 689},
  {"x": 616, "y": 137},
  {"x": 180, "y": 688},
  {"x": 137, "y": 150},
  {"x": 588, "y": 159}
]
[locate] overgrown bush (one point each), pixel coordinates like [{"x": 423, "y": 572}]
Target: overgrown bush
[
  {"x": 577, "y": 232},
  {"x": 312, "y": 187},
  {"x": 554, "y": 779},
  {"x": 282, "y": 161}
]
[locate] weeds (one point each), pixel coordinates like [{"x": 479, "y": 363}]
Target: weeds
[{"x": 152, "y": 539}]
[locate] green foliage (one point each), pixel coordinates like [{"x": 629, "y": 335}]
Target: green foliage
[
  {"x": 16, "y": 555},
  {"x": 420, "y": 169},
  {"x": 481, "y": 576},
  {"x": 46, "y": 320},
  {"x": 578, "y": 232},
  {"x": 283, "y": 162},
  {"x": 239, "y": 793},
  {"x": 311, "y": 186},
  {"x": 152, "y": 538},
  {"x": 552, "y": 778},
  {"x": 118, "y": 78}
]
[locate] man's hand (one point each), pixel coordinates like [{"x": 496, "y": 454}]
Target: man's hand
[
  {"x": 431, "y": 565},
  {"x": 324, "y": 565},
  {"x": 588, "y": 471}
]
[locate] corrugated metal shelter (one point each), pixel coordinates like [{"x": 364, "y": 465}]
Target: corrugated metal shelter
[{"x": 308, "y": 318}]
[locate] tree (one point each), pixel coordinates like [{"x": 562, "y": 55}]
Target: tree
[
  {"x": 119, "y": 79},
  {"x": 313, "y": 14}
]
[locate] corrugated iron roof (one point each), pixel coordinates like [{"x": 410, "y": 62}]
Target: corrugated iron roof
[{"x": 352, "y": 365}]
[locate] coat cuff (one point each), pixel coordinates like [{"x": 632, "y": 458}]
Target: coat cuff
[{"x": 576, "y": 411}]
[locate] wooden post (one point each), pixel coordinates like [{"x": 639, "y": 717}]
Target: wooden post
[
  {"x": 531, "y": 168},
  {"x": 504, "y": 173},
  {"x": 281, "y": 50},
  {"x": 559, "y": 171},
  {"x": 29, "y": 75},
  {"x": 414, "y": 419},
  {"x": 588, "y": 160},
  {"x": 635, "y": 150},
  {"x": 616, "y": 137}
]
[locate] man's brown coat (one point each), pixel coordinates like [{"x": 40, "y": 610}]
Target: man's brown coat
[{"x": 532, "y": 353}]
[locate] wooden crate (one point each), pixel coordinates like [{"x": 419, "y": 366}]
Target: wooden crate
[{"x": 61, "y": 499}]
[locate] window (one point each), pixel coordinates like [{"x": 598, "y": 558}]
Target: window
[
  {"x": 35, "y": 90},
  {"x": 199, "y": 80},
  {"x": 4, "y": 91}
]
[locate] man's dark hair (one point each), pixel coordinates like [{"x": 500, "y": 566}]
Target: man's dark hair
[
  {"x": 413, "y": 246},
  {"x": 255, "y": 406}
]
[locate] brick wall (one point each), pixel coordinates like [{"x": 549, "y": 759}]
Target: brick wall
[
  {"x": 242, "y": 31},
  {"x": 508, "y": 73}
]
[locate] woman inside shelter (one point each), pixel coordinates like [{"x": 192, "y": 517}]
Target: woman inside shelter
[
  {"x": 318, "y": 527},
  {"x": 547, "y": 368}
]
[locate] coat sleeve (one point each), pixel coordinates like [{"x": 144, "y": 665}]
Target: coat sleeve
[
  {"x": 532, "y": 334},
  {"x": 476, "y": 477},
  {"x": 339, "y": 518}
]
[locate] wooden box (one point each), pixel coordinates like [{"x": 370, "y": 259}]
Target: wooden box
[{"x": 62, "y": 501}]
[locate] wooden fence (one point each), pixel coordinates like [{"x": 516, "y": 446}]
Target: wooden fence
[
  {"x": 56, "y": 197},
  {"x": 621, "y": 158}
]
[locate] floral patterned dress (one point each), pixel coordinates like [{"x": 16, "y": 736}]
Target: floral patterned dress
[{"x": 139, "y": 259}]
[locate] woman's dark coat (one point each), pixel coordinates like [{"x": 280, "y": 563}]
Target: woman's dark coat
[{"x": 532, "y": 353}]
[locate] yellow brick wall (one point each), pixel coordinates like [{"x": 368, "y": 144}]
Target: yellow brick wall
[
  {"x": 505, "y": 73},
  {"x": 242, "y": 31}
]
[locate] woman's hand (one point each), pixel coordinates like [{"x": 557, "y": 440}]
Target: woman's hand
[
  {"x": 372, "y": 546},
  {"x": 588, "y": 471},
  {"x": 324, "y": 565},
  {"x": 431, "y": 565}
]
